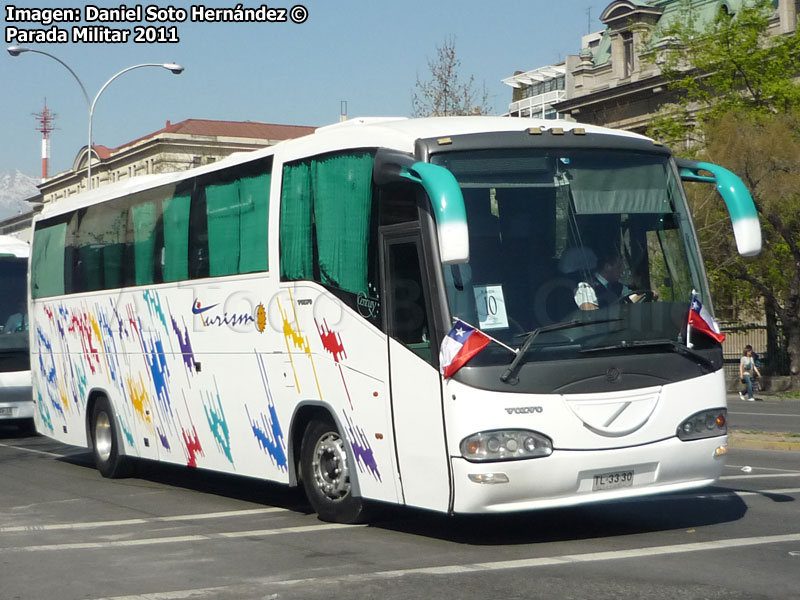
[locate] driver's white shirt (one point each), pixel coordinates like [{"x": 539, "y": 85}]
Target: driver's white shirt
[{"x": 585, "y": 293}]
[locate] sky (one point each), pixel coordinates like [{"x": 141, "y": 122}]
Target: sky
[{"x": 367, "y": 53}]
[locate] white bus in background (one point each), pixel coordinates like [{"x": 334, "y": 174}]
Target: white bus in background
[
  {"x": 280, "y": 315},
  {"x": 16, "y": 405}
]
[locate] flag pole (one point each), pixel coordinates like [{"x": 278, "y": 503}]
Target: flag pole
[
  {"x": 688, "y": 325},
  {"x": 496, "y": 341}
]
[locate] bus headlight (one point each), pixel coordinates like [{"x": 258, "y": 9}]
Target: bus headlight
[
  {"x": 505, "y": 444},
  {"x": 708, "y": 423}
]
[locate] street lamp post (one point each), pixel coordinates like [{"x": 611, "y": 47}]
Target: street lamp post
[{"x": 176, "y": 69}]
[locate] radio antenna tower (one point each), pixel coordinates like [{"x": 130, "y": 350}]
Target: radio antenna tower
[{"x": 45, "y": 119}]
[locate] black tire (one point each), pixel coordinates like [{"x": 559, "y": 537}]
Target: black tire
[
  {"x": 326, "y": 475},
  {"x": 105, "y": 442}
]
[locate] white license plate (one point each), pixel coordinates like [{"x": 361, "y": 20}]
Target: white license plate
[
  {"x": 6, "y": 411},
  {"x": 611, "y": 481}
]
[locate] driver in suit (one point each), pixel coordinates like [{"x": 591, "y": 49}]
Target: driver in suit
[{"x": 604, "y": 287}]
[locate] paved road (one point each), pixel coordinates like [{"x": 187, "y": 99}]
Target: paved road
[
  {"x": 172, "y": 533},
  {"x": 767, "y": 414}
]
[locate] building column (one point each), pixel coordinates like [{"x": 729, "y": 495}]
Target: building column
[{"x": 787, "y": 11}]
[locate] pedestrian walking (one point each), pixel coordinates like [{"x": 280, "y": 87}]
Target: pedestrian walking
[{"x": 747, "y": 371}]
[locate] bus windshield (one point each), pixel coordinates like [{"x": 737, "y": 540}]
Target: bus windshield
[
  {"x": 601, "y": 237},
  {"x": 13, "y": 305}
]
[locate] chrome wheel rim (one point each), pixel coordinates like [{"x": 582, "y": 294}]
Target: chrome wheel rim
[
  {"x": 102, "y": 436},
  {"x": 329, "y": 467}
]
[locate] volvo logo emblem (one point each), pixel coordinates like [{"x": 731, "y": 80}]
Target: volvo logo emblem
[
  {"x": 524, "y": 410},
  {"x": 612, "y": 374}
]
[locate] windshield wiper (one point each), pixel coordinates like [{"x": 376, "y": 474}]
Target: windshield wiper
[
  {"x": 532, "y": 335},
  {"x": 676, "y": 347}
]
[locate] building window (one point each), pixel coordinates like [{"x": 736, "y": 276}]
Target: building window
[
  {"x": 627, "y": 47},
  {"x": 542, "y": 87}
]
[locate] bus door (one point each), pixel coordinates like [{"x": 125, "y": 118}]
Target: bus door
[{"x": 416, "y": 394}]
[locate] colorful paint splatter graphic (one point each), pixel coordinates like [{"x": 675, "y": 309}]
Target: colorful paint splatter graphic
[
  {"x": 185, "y": 345},
  {"x": 267, "y": 429},
  {"x": 332, "y": 342},
  {"x": 147, "y": 360},
  {"x": 192, "y": 446},
  {"x": 298, "y": 340},
  {"x": 362, "y": 451},
  {"x": 215, "y": 415}
]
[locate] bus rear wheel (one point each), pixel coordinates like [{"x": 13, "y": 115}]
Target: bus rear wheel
[
  {"x": 105, "y": 442},
  {"x": 326, "y": 475}
]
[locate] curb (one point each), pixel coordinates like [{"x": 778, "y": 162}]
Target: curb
[{"x": 763, "y": 441}]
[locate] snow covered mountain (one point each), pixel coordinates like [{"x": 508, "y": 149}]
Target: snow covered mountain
[{"x": 15, "y": 187}]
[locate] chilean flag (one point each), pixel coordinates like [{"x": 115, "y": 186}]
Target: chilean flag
[
  {"x": 702, "y": 321},
  {"x": 459, "y": 346}
]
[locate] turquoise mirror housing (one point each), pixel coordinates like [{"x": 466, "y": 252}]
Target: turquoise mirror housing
[{"x": 741, "y": 208}]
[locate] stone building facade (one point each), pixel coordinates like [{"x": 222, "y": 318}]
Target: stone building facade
[{"x": 614, "y": 83}]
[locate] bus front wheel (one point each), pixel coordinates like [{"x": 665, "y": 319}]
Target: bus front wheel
[
  {"x": 326, "y": 475},
  {"x": 105, "y": 444}
]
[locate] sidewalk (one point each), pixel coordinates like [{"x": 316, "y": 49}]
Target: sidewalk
[{"x": 766, "y": 396}]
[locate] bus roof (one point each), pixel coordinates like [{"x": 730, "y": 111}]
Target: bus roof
[
  {"x": 11, "y": 246},
  {"x": 398, "y": 133}
]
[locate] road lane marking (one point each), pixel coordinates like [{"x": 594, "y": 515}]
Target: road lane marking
[
  {"x": 175, "y": 539},
  {"x": 266, "y": 584},
  {"x": 32, "y": 450},
  {"x": 142, "y": 521},
  {"x": 269, "y": 532}
]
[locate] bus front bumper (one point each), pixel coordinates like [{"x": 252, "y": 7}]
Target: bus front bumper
[
  {"x": 569, "y": 478},
  {"x": 16, "y": 399}
]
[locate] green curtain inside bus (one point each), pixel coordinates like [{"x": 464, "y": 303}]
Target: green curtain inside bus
[
  {"x": 176, "y": 238},
  {"x": 238, "y": 217},
  {"x": 254, "y": 223},
  {"x": 327, "y": 202},
  {"x": 223, "y": 212},
  {"x": 144, "y": 236},
  {"x": 48, "y": 261},
  {"x": 295, "y": 241},
  {"x": 342, "y": 193},
  {"x": 112, "y": 266},
  {"x": 91, "y": 266}
]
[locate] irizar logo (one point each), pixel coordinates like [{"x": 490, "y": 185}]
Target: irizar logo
[{"x": 524, "y": 410}]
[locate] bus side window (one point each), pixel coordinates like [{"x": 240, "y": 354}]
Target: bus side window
[
  {"x": 326, "y": 222},
  {"x": 198, "y": 235},
  {"x": 48, "y": 265}
]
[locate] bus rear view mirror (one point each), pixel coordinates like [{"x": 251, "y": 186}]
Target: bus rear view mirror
[
  {"x": 737, "y": 199},
  {"x": 445, "y": 196}
]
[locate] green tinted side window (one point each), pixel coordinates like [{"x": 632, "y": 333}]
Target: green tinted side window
[
  {"x": 47, "y": 269},
  {"x": 326, "y": 208},
  {"x": 223, "y": 212},
  {"x": 238, "y": 215},
  {"x": 145, "y": 216},
  {"x": 175, "y": 265},
  {"x": 254, "y": 223}
]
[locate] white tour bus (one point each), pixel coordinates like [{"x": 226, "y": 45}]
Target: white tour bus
[
  {"x": 280, "y": 315},
  {"x": 15, "y": 376}
]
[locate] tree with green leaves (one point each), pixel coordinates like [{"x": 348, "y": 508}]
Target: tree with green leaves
[
  {"x": 739, "y": 107},
  {"x": 734, "y": 63},
  {"x": 445, "y": 93}
]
